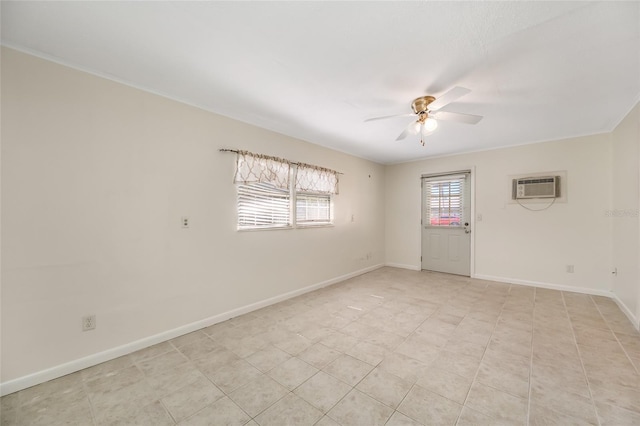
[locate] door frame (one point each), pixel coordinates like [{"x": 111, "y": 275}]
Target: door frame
[{"x": 472, "y": 219}]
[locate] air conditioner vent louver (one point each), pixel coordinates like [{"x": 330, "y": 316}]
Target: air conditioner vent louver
[
  {"x": 536, "y": 187},
  {"x": 537, "y": 180}
]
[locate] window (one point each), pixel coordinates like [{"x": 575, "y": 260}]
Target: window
[
  {"x": 313, "y": 190},
  {"x": 444, "y": 201},
  {"x": 263, "y": 205},
  {"x": 273, "y": 193},
  {"x": 313, "y": 209}
]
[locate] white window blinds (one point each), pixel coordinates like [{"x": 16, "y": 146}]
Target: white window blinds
[
  {"x": 444, "y": 200},
  {"x": 313, "y": 209},
  {"x": 263, "y": 205},
  {"x": 276, "y": 193},
  {"x": 314, "y": 187}
]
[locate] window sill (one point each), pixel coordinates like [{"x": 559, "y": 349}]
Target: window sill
[
  {"x": 280, "y": 228},
  {"x": 316, "y": 225},
  {"x": 271, "y": 228}
]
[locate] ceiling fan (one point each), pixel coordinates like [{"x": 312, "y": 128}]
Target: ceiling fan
[{"x": 428, "y": 110}]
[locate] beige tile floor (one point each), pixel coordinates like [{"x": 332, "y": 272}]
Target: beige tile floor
[{"x": 391, "y": 347}]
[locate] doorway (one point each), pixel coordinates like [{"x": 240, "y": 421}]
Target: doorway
[{"x": 446, "y": 223}]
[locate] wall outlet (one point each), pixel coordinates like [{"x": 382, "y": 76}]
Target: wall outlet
[
  {"x": 570, "y": 269},
  {"x": 184, "y": 221},
  {"x": 88, "y": 322}
]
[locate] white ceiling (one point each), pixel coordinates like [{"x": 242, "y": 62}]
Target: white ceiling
[{"x": 538, "y": 71}]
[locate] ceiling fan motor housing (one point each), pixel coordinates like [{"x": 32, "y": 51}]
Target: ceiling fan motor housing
[{"x": 421, "y": 104}]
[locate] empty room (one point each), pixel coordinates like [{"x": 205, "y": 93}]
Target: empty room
[{"x": 320, "y": 213}]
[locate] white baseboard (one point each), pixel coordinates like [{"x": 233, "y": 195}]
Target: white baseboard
[
  {"x": 95, "y": 359},
  {"x": 401, "y": 266},
  {"x": 624, "y": 308},
  {"x": 584, "y": 290},
  {"x": 634, "y": 320}
]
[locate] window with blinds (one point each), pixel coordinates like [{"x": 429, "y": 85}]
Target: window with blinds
[
  {"x": 276, "y": 193},
  {"x": 444, "y": 200},
  {"x": 262, "y": 205},
  {"x": 313, "y": 209}
]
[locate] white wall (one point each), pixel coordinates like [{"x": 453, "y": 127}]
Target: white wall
[
  {"x": 625, "y": 207},
  {"x": 96, "y": 175},
  {"x": 513, "y": 244},
  {"x": 95, "y": 178}
]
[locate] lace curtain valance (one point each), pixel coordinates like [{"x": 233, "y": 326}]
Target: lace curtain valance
[
  {"x": 316, "y": 179},
  {"x": 254, "y": 168},
  {"x": 258, "y": 168}
]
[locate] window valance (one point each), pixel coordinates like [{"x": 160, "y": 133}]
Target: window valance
[
  {"x": 259, "y": 168},
  {"x": 316, "y": 179}
]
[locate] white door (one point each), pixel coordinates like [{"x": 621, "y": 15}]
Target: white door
[{"x": 446, "y": 231}]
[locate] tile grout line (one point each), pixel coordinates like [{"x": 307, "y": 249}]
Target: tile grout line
[
  {"x": 637, "y": 368},
  {"x": 146, "y": 378},
  {"x": 584, "y": 371},
  {"x": 354, "y": 387},
  {"x": 395, "y": 410},
  {"x": 400, "y": 403},
  {"x": 448, "y": 301},
  {"x": 475, "y": 377},
  {"x": 91, "y": 407},
  {"x": 376, "y": 366},
  {"x": 205, "y": 376},
  {"x": 533, "y": 321}
]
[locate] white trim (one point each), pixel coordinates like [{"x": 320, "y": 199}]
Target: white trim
[
  {"x": 272, "y": 128},
  {"x": 560, "y": 287},
  {"x": 500, "y": 147},
  {"x": 618, "y": 122},
  {"x": 100, "y": 357},
  {"x": 402, "y": 266},
  {"x": 472, "y": 220},
  {"x": 635, "y": 321},
  {"x": 471, "y": 171},
  {"x": 624, "y": 308},
  {"x": 584, "y": 290}
]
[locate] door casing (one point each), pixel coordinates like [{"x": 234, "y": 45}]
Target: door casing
[{"x": 472, "y": 217}]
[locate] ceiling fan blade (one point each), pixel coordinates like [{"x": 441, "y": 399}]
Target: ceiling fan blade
[
  {"x": 388, "y": 116},
  {"x": 403, "y": 135},
  {"x": 448, "y": 97},
  {"x": 411, "y": 129},
  {"x": 457, "y": 116}
]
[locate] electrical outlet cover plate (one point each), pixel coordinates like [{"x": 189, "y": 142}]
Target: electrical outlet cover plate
[{"x": 88, "y": 322}]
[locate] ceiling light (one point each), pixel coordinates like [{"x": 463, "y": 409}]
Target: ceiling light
[{"x": 430, "y": 124}]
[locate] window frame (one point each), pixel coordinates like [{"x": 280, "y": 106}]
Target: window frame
[
  {"x": 439, "y": 181},
  {"x": 270, "y": 226},
  {"x": 293, "y": 204},
  {"x": 313, "y": 224}
]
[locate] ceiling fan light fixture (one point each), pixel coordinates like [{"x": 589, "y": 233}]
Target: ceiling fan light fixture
[
  {"x": 428, "y": 107},
  {"x": 430, "y": 124}
]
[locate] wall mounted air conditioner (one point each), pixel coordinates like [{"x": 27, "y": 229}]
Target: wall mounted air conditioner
[{"x": 536, "y": 187}]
